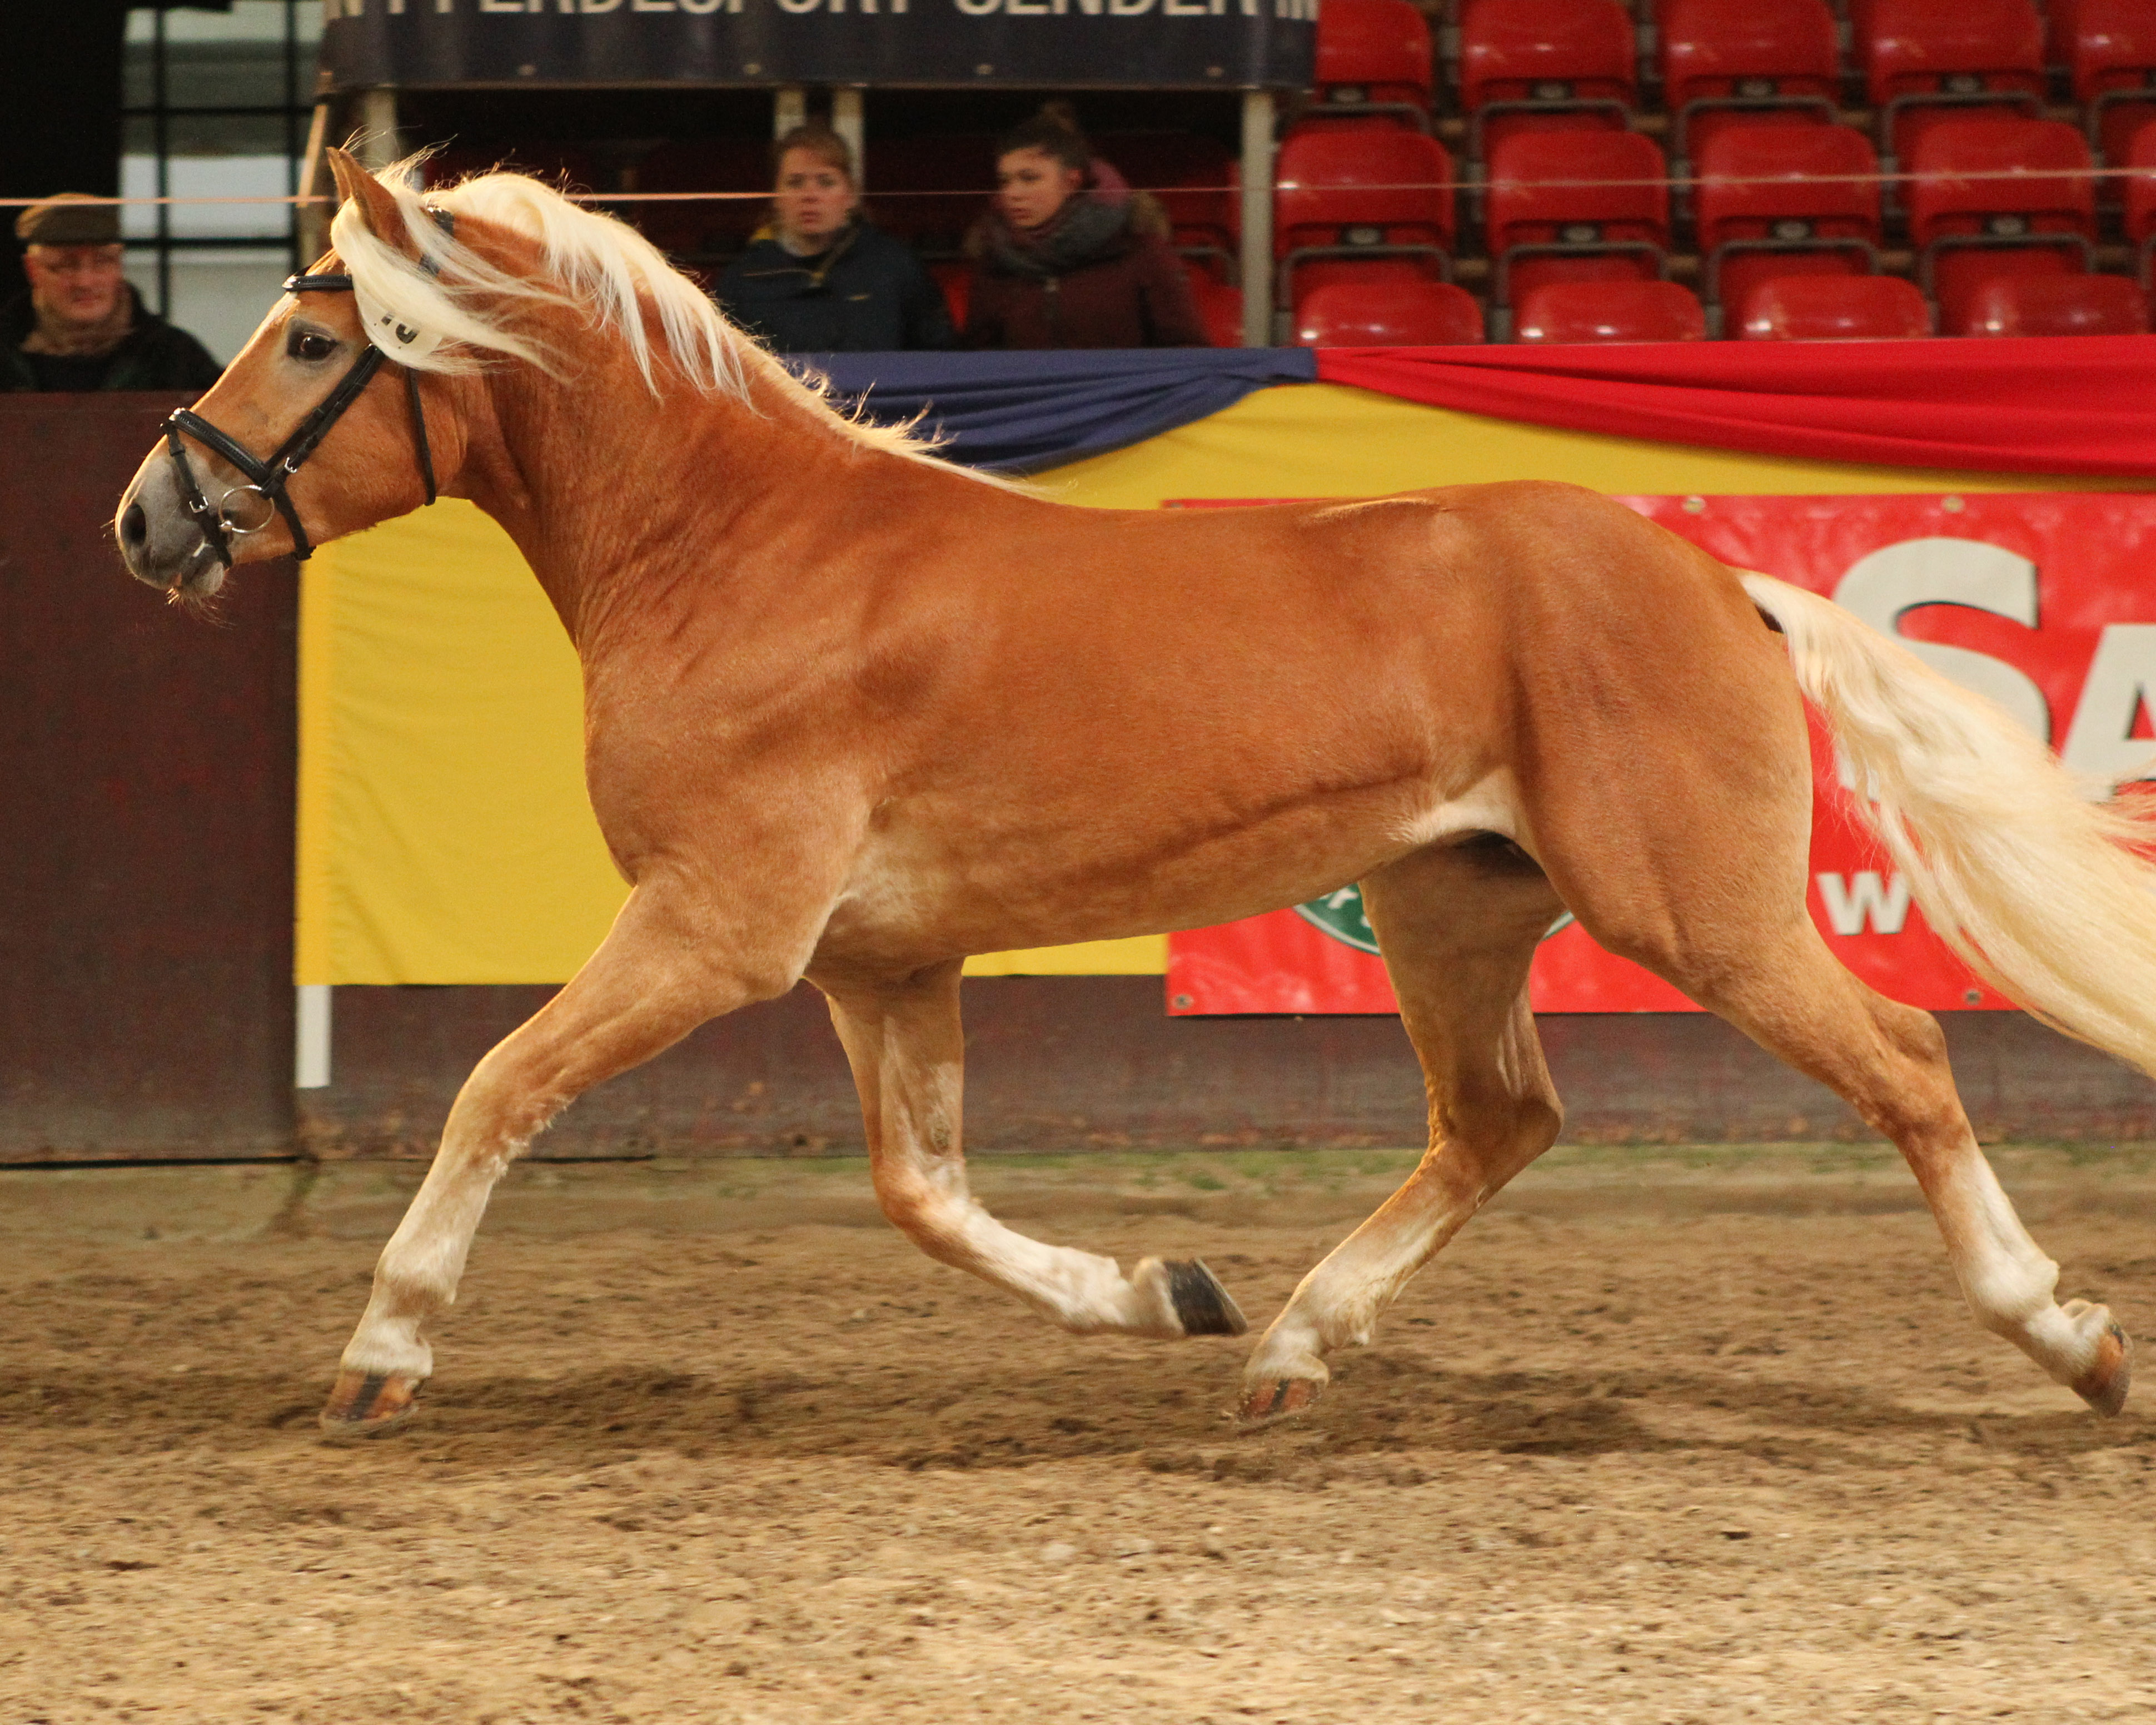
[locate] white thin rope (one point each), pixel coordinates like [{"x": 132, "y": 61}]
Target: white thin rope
[{"x": 1673, "y": 182}]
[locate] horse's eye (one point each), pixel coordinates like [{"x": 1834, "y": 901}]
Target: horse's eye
[{"x": 310, "y": 345}]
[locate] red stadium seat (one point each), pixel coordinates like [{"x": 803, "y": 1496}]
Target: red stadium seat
[
  {"x": 1785, "y": 200},
  {"x": 1834, "y": 308},
  {"x": 1730, "y": 62},
  {"x": 1923, "y": 59},
  {"x": 1373, "y": 65},
  {"x": 1362, "y": 196},
  {"x": 1219, "y": 305},
  {"x": 1610, "y": 311},
  {"x": 2057, "y": 305},
  {"x": 955, "y": 276},
  {"x": 2035, "y": 215},
  {"x": 2111, "y": 60},
  {"x": 1387, "y": 313},
  {"x": 2141, "y": 195},
  {"x": 1545, "y": 64},
  {"x": 2061, "y": 18},
  {"x": 1540, "y": 229}
]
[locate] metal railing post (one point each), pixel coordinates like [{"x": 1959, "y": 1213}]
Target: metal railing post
[
  {"x": 1257, "y": 249},
  {"x": 378, "y": 129},
  {"x": 847, "y": 119}
]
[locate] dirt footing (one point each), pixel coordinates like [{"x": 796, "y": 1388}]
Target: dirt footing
[{"x": 1690, "y": 1435}]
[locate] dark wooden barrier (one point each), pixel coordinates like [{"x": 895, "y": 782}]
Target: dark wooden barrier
[
  {"x": 145, "y": 999},
  {"x": 146, "y": 846},
  {"x": 1078, "y": 1063}
]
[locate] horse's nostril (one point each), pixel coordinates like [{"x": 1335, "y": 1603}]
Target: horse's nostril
[{"x": 134, "y": 527}]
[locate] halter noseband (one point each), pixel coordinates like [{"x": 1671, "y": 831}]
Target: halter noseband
[{"x": 268, "y": 480}]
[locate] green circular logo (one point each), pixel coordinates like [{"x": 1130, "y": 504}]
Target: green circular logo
[{"x": 1341, "y": 916}]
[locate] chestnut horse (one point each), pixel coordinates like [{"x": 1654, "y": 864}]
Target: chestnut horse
[{"x": 852, "y": 713}]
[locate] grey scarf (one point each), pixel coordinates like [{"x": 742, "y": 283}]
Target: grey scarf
[{"x": 1088, "y": 227}]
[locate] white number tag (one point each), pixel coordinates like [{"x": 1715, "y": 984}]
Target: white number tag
[{"x": 391, "y": 333}]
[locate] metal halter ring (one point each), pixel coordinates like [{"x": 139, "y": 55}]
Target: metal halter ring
[{"x": 238, "y": 528}]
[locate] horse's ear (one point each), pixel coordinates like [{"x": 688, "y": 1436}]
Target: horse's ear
[{"x": 377, "y": 208}]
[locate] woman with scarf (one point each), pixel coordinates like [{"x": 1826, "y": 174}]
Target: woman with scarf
[{"x": 1069, "y": 256}]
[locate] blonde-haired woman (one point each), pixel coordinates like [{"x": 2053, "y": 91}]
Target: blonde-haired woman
[{"x": 817, "y": 278}]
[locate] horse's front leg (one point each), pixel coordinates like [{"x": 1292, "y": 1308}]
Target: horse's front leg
[
  {"x": 902, "y": 1036},
  {"x": 661, "y": 971}
]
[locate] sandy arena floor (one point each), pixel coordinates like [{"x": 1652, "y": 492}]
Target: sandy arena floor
[{"x": 1681, "y": 1436}]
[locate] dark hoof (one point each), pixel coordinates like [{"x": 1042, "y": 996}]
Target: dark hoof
[
  {"x": 2104, "y": 1385},
  {"x": 1277, "y": 1399},
  {"x": 1202, "y": 1305},
  {"x": 364, "y": 1407}
]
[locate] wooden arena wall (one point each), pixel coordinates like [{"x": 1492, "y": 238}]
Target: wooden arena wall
[
  {"x": 146, "y": 848},
  {"x": 147, "y": 939}
]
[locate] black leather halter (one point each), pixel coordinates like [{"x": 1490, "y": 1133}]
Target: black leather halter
[{"x": 268, "y": 480}]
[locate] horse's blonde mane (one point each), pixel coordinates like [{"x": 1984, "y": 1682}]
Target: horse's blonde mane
[{"x": 587, "y": 261}]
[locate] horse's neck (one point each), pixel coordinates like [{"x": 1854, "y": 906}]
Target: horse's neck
[{"x": 613, "y": 493}]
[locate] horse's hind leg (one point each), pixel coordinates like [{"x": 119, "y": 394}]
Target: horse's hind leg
[
  {"x": 657, "y": 976},
  {"x": 1889, "y": 1062},
  {"x": 1458, "y": 928},
  {"x": 902, "y": 1037}
]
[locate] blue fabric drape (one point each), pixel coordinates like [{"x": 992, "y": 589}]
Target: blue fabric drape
[{"x": 1028, "y": 411}]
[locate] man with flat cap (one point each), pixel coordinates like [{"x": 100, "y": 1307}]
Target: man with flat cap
[{"x": 81, "y": 325}]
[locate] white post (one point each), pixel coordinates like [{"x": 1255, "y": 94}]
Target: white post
[
  {"x": 789, "y": 108},
  {"x": 311, "y": 1066},
  {"x": 846, "y": 120},
  {"x": 1257, "y": 259},
  {"x": 314, "y": 207},
  {"x": 378, "y": 129}
]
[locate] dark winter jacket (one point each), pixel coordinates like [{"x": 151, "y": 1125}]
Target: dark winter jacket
[
  {"x": 156, "y": 355},
  {"x": 1100, "y": 275},
  {"x": 868, "y": 293}
]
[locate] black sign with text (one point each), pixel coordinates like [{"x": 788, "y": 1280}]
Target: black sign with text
[{"x": 1176, "y": 44}]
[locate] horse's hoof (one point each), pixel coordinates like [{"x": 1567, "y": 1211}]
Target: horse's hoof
[
  {"x": 1277, "y": 1399},
  {"x": 2104, "y": 1385},
  {"x": 365, "y": 1406},
  {"x": 1202, "y": 1305}
]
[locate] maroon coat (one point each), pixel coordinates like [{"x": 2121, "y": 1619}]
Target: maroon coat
[{"x": 1130, "y": 292}]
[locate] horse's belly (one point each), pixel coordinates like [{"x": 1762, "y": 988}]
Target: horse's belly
[{"x": 917, "y": 896}]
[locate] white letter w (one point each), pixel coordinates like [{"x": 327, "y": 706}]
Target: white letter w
[{"x": 1863, "y": 898}]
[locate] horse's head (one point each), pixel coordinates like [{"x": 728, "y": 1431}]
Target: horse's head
[
  {"x": 323, "y": 423},
  {"x": 378, "y": 377}
]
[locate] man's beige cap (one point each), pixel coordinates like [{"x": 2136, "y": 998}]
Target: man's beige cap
[{"x": 70, "y": 218}]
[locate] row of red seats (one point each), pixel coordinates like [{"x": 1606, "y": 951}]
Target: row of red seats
[
  {"x": 1402, "y": 313},
  {"x": 1538, "y": 63},
  {"x": 1995, "y": 196}
]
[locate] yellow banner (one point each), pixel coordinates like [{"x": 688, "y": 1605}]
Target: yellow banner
[{"x": 444, "y": 832}]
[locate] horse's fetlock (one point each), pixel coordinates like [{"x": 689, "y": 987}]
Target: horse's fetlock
[{"x": 2007, "y": 1297}]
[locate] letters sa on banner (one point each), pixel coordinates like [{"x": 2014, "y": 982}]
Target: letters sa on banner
[{"x": 2045, "y": 603}]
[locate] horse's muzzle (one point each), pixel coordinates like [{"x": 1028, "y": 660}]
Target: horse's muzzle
[{"x": 159, "y": 541}]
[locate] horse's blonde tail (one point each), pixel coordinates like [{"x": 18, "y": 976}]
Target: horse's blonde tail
[{"x": 2042, "y": 891}]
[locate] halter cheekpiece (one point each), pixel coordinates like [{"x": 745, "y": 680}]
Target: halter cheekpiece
[{"x": 268, "y": 480}]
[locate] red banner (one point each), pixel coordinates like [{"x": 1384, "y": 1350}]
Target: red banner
[{"x": 2047, "y": 604}]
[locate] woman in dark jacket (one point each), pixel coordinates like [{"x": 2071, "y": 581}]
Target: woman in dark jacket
[
  {"x": 1069, "y": 256},
  {"x": 817, "y": 279}
]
